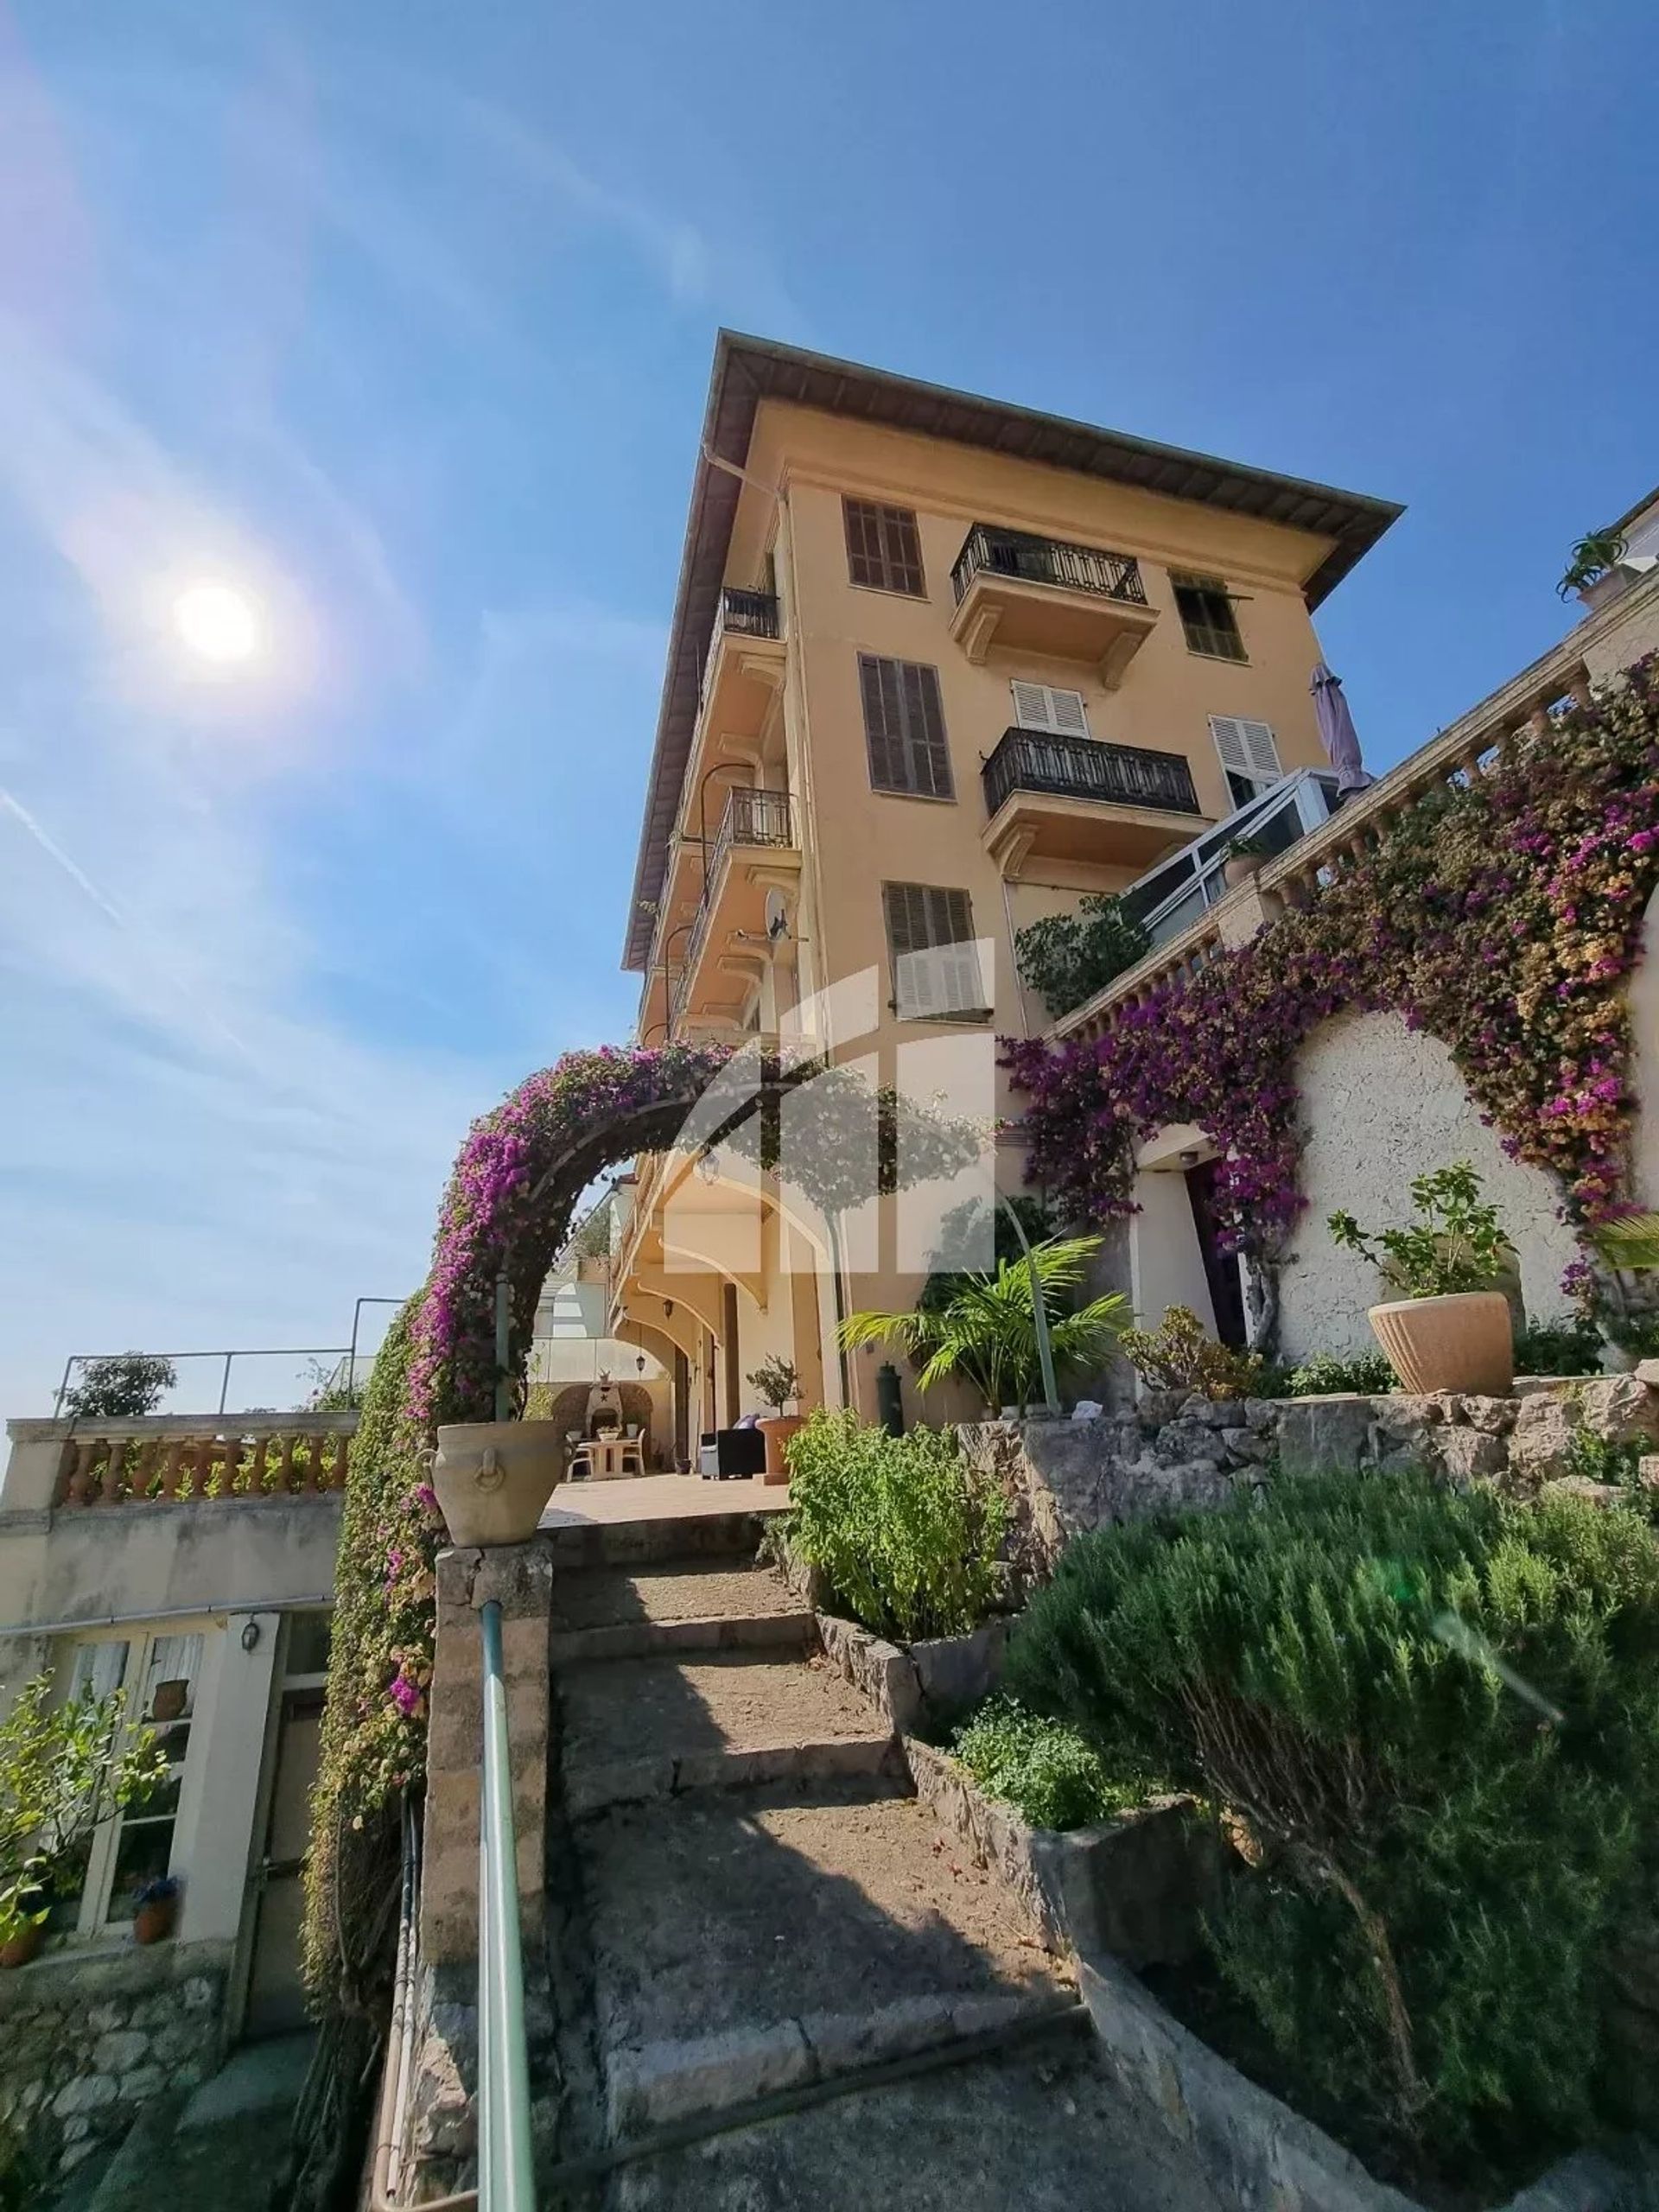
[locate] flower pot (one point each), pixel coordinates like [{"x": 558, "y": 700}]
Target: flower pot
[
  {"x": 494, "y": 1478},
  {"x": 153, "y": 1923},
  {"x": 778, "y": 1428},
  {"x": 1465, "y": 1342},
  {"x": 1240, "y": 867},
  {"x": 169, "y": 1702},
  {"x": 23, "y": 1946}
]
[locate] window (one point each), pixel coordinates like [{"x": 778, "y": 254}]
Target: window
[
  {"x": 1248, "y": 753},
  {"x": 904, "y": 727},
  {"x": 884, "y": 552},
  {"x": 1206, "y": 607},
  {"x": 136, "y": 1845},
  {"x": 935, "y": 959},
  {"x": 1040, "y": 706}
]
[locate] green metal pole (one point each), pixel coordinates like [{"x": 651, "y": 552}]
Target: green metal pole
[
  {"x": 1039, "y": 1313},
  {"x": 506, "y": 2182}
]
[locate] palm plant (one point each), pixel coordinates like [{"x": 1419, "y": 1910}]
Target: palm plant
[
  {"x": 1630, "y": 1241},
  {"x": 986, "y": 1331}
]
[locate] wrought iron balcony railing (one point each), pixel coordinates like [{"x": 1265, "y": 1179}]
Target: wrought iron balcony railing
[
  {"x": 990, "y": 551},
  {"x": 1084, "y": 767},
  {"x": 742, "y": 614},
  {"x": 751, "y": 817}
]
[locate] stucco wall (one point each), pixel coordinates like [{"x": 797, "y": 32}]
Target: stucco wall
[
  {"x": 1383, "y": 1104},
  {"x": 1644, "y": 1061}
]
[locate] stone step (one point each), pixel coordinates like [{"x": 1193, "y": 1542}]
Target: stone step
[
  {"x": 651, "y": 1727},
  {"x": 687, "y": 1590},
  {"x": 671, "y": 1537},
  {"x": 578, "y": 1647},
  {"x": 769, "y": 1935},
  {"x": 1043, "y": 2130}
]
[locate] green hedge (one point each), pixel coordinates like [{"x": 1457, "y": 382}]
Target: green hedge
[
  {"x": 903, "y": 1531},
  {"x": 1434, "y": 1718}
]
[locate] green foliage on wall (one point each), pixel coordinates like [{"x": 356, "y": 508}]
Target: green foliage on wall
[{"x": 1066, "y": 958}]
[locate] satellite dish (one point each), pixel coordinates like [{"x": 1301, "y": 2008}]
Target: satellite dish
[{"x": 776, "y": 917}]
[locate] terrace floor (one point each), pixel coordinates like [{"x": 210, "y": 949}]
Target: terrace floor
[{"x": 659, "y": 1497}]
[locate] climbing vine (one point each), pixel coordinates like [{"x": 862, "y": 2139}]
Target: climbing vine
[{"x": 1503, "y": 915}]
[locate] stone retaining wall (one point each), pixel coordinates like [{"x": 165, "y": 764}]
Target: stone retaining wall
[
  {"x": 931, "y": 1680},
  {"x": 90, "y": 2039},
  {"x": 1175, "y": 1449}
]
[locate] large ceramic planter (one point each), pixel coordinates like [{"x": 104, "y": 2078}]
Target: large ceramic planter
[
  {"x": 778, "y": 1428},
  {"x": 153, "y": 1923},
  {"x": 494, "y": 1478},
  {"x": 1240, "y": 868},
  {"x": 1465, "y": 1342}
]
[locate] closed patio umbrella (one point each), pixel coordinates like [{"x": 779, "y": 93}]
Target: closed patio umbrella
[{"x": 1336, "y": 732}]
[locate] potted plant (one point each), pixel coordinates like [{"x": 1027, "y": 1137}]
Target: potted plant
[
  {"x": 23, "y": 1907},
  {"x": 1594, "y": 559},
  {"x": 156, "y": 1907},
  {"x": 777, "y": 1381},
  {"x": 1450, "y": 1329},
  {"x": 1243, "y": 860}
]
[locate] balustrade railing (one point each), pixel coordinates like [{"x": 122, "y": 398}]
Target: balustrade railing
[
  {"x": 752, "y": 817},
  {"x": 1085, "y": 767},
  {"x": 180, "y": 1460}
]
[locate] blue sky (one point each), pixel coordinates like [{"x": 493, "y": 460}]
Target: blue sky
[{"x": 399, "y": 317}]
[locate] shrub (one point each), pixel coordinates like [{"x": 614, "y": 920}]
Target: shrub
[
  {"x": 1066, "y": 958},
  {"x": 1559, "y": 1348},
  {"x": 1325, "y": 1376},
  {"x": 124, "y": 1387},
  {"x": 1436, "y": 1715},
  {"x": 1178, "y": 1355},
  {"x": 1043, "y": 1768},
  {"x": 905, "y": 1532}
]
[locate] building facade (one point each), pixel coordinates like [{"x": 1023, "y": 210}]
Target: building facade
[{"x": 938, "y": 668}]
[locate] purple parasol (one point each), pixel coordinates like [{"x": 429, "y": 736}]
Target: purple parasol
[{"x": 1336, "y": 732}]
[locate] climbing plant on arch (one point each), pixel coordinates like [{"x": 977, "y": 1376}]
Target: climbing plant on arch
[{"x": 505, "y": 1215}]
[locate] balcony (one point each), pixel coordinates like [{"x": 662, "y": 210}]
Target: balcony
[
  {"x": 1076, "y": 798},
  {"x": 744, "y": 669},
  {"x": 754, "y": 851},
  {"x": 1042, "y": 596}
]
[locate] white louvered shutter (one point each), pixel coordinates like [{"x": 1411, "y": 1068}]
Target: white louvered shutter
[
  {"x": 934, "y": 960},
  {"x": 1246, "y": 749},
  {"x": 1040, "y": 706}
]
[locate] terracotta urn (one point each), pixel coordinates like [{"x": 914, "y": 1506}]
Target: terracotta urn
[
  {"x": 23, "y": 1946},
  {"x": 1240, "y": 867},
  {"x": 778, "y": 1428},
  {"x": 1465, "y": 1342},
  {"x": 494, "y": 1478}
]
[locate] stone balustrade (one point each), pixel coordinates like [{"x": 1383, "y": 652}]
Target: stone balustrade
[
  {"x": 1465, "y": 749},
  {"x": 173, "y": 1459}
]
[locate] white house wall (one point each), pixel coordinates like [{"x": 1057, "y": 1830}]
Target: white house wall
[{"x": 1383, "y": 1104}]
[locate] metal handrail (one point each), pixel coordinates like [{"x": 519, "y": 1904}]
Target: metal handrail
[
  {"x": 1034, "y": 560},
  {"x": 505, "y": 2176},
  {"x": 753, "y": 816}
]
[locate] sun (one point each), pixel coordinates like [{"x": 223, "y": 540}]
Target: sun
[{"x": 216, "y": 622}]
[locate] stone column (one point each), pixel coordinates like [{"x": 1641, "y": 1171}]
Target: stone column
[{"x": 519, "y": 1576}]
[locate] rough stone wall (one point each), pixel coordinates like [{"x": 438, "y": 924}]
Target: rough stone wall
[
  {"x": 1063, "y": 1477},
  {"x": 89, "y": 2042},
  {"x": 1380, "y": 1103}
]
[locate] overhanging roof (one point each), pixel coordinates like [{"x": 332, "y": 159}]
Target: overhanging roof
[{"x": 748, "y": 370}]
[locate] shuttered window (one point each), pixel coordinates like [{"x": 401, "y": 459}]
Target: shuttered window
[
  {"x": 884, "y": 551},
  {"x": 904, "y": 727},
  {"x": 931, "y": 944},
  {"x": 1249, "y": 754},
  {"x": 1040, "y": 706},
  {"x": 1206, "y": 607}
]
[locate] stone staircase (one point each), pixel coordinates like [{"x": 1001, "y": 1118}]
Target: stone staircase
[{"x": 798, "y": 1992}]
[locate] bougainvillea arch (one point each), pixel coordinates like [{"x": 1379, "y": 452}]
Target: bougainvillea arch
[{"x": 1503, "y": 915}]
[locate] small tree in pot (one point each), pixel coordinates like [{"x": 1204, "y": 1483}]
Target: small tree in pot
[
  {"x": 779, "y": 1382},
  {"x": 1451, "y": 1329}
]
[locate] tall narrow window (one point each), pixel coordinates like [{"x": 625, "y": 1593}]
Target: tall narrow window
[
  {"x": 1040, "y": 706},
  {"x": 884, "y": 551},
  {"x": 931, "y": 945},
  {"x": 904, "y": 727},
  {"x": 1249, "y": 754},
  {"x": 1206, "y": 607}
]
